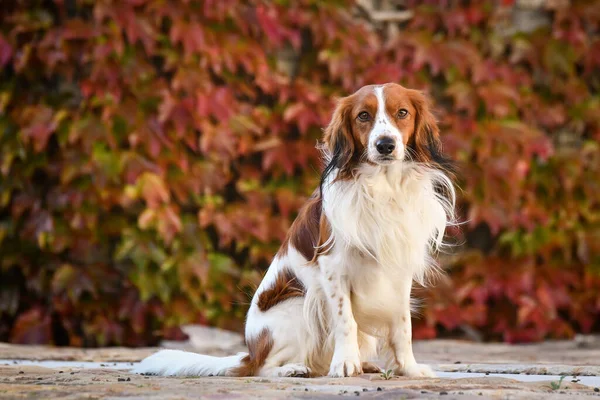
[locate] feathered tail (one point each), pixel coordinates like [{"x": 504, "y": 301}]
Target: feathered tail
[{"x": 183, "y": 363}]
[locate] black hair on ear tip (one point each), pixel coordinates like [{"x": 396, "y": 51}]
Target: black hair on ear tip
[
  {"x": 437, "y": 156},
  {"x": 335, "y": 162}
]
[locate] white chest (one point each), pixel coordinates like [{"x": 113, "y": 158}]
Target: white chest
[{"x": 393, "y": 217}]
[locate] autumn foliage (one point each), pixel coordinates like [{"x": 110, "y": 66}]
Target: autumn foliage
[{"x": 152, "y": 157}]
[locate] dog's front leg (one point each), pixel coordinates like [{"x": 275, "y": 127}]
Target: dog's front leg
[
  {"x": 346, "y": 356},
  {"x": 400, "y": 340}
]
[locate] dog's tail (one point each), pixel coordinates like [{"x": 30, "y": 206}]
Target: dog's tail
[{"x": 184, "y": 363}]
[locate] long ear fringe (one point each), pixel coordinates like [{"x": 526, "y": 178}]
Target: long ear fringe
[
  {"x": 338, "y": 143},
  {"x": 425, "y": 143}
]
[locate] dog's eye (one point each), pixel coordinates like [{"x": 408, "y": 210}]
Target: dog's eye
[
  {"x": 403, "y": 113},
  {"x": 364, "y": 116}
]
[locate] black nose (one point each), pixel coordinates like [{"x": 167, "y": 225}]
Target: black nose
[{"x": 385, "y": 145}]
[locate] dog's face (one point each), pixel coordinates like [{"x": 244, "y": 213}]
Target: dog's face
[
  {"x": 382, "y": 125},
  {"x": 383, "y": 119}
]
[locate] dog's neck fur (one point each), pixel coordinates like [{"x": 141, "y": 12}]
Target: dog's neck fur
[{"x": 393, "y": 214}]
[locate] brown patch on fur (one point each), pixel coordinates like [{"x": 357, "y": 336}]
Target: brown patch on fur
[
  {"x": 398, "y": 98},
  {"x": 403, "y": 319},
  {"x": 426, "y": 131},
  {"x": 370, "y": 368},
  {"x": 323, "y": 247},
  {"x": 258, "y": 351},
  {"x": 286, "y": 286},
  {"x": 341, "y": 138},
  {"x": 425, "y": 144},
  {"x": 309, "y": 230}
]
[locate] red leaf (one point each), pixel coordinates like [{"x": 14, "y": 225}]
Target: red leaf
[
  {"x": 153, "y": 189},
  {"x": 269, "y": 24},
  {"x": 41, "y": 126},
  {"x": 5, "y": 51},
  {"x": 32, "y": 327},
  {"x": 78, "y": 29}
]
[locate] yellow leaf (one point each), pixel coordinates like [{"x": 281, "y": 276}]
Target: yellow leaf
[{"x": 146, "y": 218}]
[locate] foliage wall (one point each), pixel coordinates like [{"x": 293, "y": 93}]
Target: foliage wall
[{"x": 152, "y": 157}]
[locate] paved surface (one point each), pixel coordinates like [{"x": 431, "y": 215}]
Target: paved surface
[
  {"x": 453, "y": 352},
  {"x": 514, "y": 372},
  {"x": 73, "y": 383}
]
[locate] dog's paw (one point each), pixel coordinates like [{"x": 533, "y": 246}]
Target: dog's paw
[
  {"x": 291, "y": 370},
  {"x": 340, "y": 369},
  {"x": 416, "y": 371}
]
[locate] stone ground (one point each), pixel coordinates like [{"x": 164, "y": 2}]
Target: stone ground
[{"x": 52, "y": 373}]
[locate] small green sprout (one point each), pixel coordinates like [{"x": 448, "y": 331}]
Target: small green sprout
[
  {"x": 556, "y": 385},
  {"x": 387, "y": 375}
]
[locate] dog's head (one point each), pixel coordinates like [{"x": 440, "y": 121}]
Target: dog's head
[{"x": 382, "y": 125}]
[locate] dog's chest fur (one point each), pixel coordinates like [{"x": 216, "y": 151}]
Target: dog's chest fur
[{"x": 391, "y": 216}]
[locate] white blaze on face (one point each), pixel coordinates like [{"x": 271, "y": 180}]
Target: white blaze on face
[{"x": 383, "y": 127}]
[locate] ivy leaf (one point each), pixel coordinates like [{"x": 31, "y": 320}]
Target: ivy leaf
[
  {"x": 32, "y": 327},
  {"x": 153, "y": 189},
  {"x": 6, "y": 52}
]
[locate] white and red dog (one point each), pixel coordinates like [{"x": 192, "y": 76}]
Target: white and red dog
[{"x": 339, "y": 289}]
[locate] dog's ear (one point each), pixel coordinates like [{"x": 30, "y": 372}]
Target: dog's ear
[
  {"x": 339, "y": 141},
  {"x": 426, "y": 138},
  {"x": 338, "y": 136},
  {"x": 425, "y": 143}
]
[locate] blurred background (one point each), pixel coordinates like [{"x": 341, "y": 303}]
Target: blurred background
[{"x": 153, "y": 155}]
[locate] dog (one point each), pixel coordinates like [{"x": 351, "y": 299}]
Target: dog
[{"x": 337, "y": 295}]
